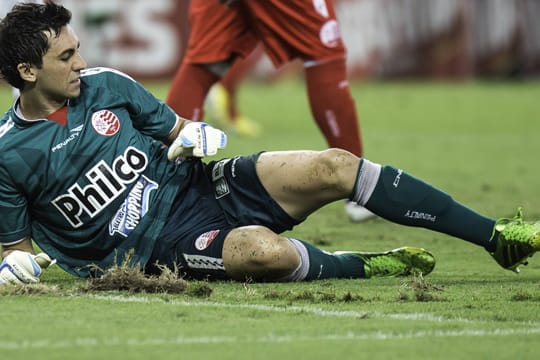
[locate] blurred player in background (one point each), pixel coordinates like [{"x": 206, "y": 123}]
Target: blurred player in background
[{"x": 220, "y": 36}]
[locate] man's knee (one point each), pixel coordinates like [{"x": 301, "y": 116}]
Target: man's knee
[
  {"x": 257, "y": 252},
  {"x": 336, "y": 167}
]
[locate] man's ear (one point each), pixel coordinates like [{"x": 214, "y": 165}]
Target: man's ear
[{"x": 27, "y": 72}]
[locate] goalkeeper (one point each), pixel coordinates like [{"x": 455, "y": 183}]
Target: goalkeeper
[{"x": 83, "y": 176}]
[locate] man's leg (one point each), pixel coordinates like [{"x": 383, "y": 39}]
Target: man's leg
[
  {"x": 301, "y": 182},
  {"x": 399, "y": 197},
  {"x": 257, "y": 253},
  {"x": 313, "y": 179}
]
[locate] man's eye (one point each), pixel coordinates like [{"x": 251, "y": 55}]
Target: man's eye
[{"x": 65, "y": 57}]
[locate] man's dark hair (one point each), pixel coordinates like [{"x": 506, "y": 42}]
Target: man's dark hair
[{"x": 23, "y": 37}]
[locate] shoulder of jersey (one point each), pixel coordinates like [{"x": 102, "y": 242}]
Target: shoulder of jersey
[
  {"x": 98, "y": 73},
  {"x": 6, "y": 124}
]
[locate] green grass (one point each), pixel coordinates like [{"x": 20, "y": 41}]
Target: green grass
[{"x": 478, "y": 141}]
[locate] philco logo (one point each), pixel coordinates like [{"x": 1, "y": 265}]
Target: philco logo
[
  {"x": 106, "y": 184},
  {"x": 105, "y": 122}
]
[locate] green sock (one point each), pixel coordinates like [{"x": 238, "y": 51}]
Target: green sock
[
  {"x": 406, "y": 200},
  {"x": 325, "y": 265}
]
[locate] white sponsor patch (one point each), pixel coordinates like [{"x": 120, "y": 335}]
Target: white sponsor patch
[
  {"x": 219, "y": 169},
  {"x": 134, "y": 207},
  {"x": 104, "y": 183},
  {"x": 105, "y": 122},
  {"x": 221, "y": 188}
]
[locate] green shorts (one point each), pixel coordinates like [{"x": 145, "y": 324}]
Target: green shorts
[{"x": 219, "y": 197}]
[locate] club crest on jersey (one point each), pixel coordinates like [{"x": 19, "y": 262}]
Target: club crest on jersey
[
  {"x": 105, "y": 122},
  {"x": 106, "y": 183},
  {"x": 204, "y": 240},
  {"x": 134, "y": 207}
]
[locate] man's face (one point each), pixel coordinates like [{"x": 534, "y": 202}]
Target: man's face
[{"x": 58, "y": 79}]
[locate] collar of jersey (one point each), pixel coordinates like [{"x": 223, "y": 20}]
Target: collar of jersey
[{"x": 21, "y": 120}]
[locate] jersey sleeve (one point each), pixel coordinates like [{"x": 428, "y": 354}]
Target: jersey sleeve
[
  {"x": 15, "y": 223},
  {"x": 150, "y": 115}
]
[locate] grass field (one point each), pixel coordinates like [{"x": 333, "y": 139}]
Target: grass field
[{"x": 478, "y": 141}]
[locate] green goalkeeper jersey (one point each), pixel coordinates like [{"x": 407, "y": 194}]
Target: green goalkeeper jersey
[{"x": 97, "y": 188}]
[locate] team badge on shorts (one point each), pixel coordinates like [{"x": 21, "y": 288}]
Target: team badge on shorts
[
  {"x": 105, "y": 122},
  {"x": 204, "y": 240},
  {"x": 330, "y": 35}
]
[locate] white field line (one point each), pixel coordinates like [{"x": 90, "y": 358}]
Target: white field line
[
  {"x": 92, "y": 342},
  {"x": 303, "y": 309},
  {"x": 525, "y": 328}
]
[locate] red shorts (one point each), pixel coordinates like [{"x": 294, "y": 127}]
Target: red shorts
[{"x": 305, "y": 29}]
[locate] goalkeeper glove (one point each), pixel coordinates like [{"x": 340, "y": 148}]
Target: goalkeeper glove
[
  {"x": 21, "y": 267},
  {"x": 197, "y": 139}
]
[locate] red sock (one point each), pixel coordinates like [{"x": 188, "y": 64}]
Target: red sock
[
  {"x": 332, "y": 106},
  {"x": 188, "y": 90}
]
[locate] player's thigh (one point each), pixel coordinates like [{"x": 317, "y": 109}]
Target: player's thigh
[{"x": 303, "y": 181}]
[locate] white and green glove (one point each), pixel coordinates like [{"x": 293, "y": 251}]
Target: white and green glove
[
  {"x": 21, "y": 267},
  {"x": 197, "y": 139}
]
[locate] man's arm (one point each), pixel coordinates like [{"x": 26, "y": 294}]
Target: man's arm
[
  {"x": 24, "y": 245},
  {"x": 174, "y": 132}
]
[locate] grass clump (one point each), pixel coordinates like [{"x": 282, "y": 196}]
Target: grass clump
[
  {"x": 124, "y": 277},
  {"x": 419, "y": 289}
]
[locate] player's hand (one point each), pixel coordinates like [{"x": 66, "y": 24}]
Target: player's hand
[
  {"x": 21, "y": 267},
  {"x": 197, "y": 139}
]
